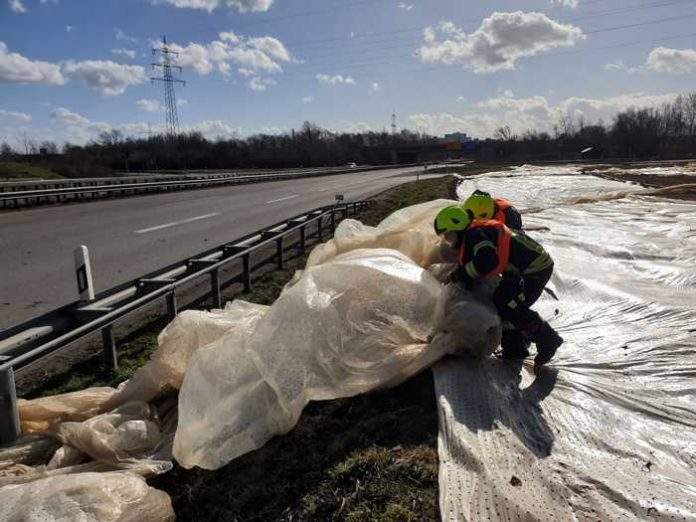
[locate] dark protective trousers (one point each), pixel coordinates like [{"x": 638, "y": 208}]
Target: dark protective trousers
[{"x": 515, "y": 295}]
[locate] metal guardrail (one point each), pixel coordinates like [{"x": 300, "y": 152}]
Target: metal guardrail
[
  {"x": 121, "y": 187},
  {"x": 40, "y": 337},
  {"x": 18, "y": 185}
]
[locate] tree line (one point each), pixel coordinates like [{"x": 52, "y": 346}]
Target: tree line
[
  {"x": 666, "y": 132},
  {"x": 310, "y": 146}
]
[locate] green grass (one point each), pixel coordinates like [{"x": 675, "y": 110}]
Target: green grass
[
  {"x": 368, "y": 458},
  {"x": 12, "y": 169}
]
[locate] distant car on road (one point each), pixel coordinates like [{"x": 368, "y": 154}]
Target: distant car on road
[{"x": 351, "y": 165}]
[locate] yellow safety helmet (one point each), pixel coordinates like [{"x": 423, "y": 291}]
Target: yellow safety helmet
[
  {"x": 480, "y": 204},
  {"x": 452, "y": 219}
]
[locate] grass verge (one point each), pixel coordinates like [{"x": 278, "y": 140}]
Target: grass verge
[
  {"x": 371, "y": 457},
  {"x": 12, "y": 169}
]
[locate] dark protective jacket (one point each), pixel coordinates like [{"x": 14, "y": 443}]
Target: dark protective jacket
[
  {"x": 506, "y": 213},
  {"x": 489, "y": 248}
]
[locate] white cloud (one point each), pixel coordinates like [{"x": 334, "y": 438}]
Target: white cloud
[
  {"x": 271, "y": 47},
  {"x": 461, "y": 98},
  {"x": 566, "y": 3},
  {"x": 252, "y": 56},
  {"x": 65, "y": 116},
  {"x": 14, "y": 117},
  {"x": 374, "y": 88},
  {"x": 209, "y": 5},
  {"x": 68, "y": 28},
  {"x": 181, "y": 102},
  {"x": 618, "y": 65},
  {"x": 660, "y": 59},
  {"x": 104, "y": 76},
  {"x": 229, "y": 36},
  {"x": 120, "y": 35},
  {"x": 214, "y": 129},
  {"x": 406, "y": 7},
  {"x": 17, "y": 6},
  {"x": 533, "y": 113},
  {"x": 594, "y": 109},
  {"x": 124, "y": 52},
  {"x": 308, "y": 99},
  {"x": 354, "y": 127},
  {"x": 148, "y": 105},
  {"x": 79, "y": 129},
  {"x": 476, "y": 125},
  {"x": 260, "y": 84},
  {"x": 501, "y": 40},
  {"x": 15, "y": 68},
  {"x": 336, "y": 79},
  {"x": 254, "y": 59},
  {"x": 671, "y": 61}
]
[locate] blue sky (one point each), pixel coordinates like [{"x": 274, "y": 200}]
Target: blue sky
[{"x": 72, "y": 68}]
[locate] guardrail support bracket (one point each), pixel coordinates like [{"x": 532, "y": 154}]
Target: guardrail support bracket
[
  {"x": 10, "y": 428},
  {"x": 279, "y": 253},
  {"x": 110, "y": 354},
  {"x": 172, "y": 309},
  {"x": 246, "y": 272},
  {"x": 215, "y": 284}
]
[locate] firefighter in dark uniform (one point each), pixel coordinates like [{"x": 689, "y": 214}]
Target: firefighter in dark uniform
[
  {"x": 483, "y": 206},
  {"x": 489, "y": 249}
]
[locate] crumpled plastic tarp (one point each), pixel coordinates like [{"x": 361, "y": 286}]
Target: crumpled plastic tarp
[
  {"x": 409, "y": 230},
  {"x": 608, "y": 430},
  {"x": 43, "y": 414},
  {"x": 363, "y": 319},
  {"x": 106, "y": 497}
]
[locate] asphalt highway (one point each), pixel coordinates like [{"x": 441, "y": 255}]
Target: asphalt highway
[{"x": 130, "y": 237}]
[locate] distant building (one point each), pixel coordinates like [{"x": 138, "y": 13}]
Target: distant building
[{"x": 459, "y": 137}]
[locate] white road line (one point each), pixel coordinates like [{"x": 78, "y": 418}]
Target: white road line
[
  {"x": 283, "y": 199},
  {"x": 175, "y": 223}
]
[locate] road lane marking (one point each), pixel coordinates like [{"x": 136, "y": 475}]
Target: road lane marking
[
  {"x": 283, "y": 199},
  {"x": 175, "y": 223}
]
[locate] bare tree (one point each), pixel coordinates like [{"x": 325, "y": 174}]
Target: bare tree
[{"x": 504, "y": 133}]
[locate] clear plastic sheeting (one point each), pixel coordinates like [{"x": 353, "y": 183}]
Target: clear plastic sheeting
[
  {"x": 409, "y": 230},
  {"x": 361, "y": 320},
  {"x": 676, "y": 170},
  {"x": 608, "y": 430},
  {"x": 106, "y": 497},
  {"x": 43, "y": 414},
  {"x": 188, "y": 332}
]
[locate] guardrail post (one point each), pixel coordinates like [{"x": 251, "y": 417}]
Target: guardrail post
[
  {"x": 320, "y": 228},
  {"x": 110, "y": 355},
  {"x": 303, "y": 239},
  {"x": 171, "y": 305},
  {"x": 10, "y": 429},
  {"x": 333, "y": 220},
  {"x": 215, "y": 284},
  {"x": 279, "y": 253},
  {"x": 246, "y": 272}
]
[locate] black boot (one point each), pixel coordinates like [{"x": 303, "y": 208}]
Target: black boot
[
  {"x": 515, "y": 344},
  {"x": 547, "y": 342}
]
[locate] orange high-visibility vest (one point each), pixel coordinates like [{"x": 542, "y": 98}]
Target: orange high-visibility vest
[
  {"x": 504, "y": 236},
  {"x": 501, "y": 206}
]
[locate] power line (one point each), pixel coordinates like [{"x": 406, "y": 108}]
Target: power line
[
  {"x": 407, "y": 59},
  {"x": 168, "y": 80}
]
